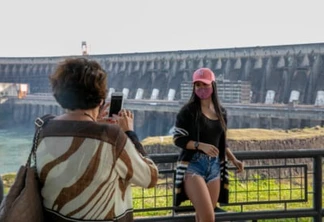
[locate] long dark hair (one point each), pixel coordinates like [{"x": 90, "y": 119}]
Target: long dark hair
[{"x": 195, "y": 100}]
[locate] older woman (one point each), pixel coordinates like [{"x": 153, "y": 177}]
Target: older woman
[{"x": 86, "y": 167}]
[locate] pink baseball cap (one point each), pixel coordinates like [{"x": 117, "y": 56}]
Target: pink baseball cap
[{"x": 204, "y": 75}]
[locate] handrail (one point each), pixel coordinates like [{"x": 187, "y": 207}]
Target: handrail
[
  {"x": 251, "y": 155},
  {"x": 316, "y": 211}
]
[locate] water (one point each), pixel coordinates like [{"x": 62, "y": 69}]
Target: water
[{"x": 15, "y": 145}]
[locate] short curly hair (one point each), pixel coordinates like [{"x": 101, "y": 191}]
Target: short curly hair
[{"x": 78, "y": 83}]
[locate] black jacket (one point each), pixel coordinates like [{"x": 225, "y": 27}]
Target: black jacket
[{"x": 186, "y": 129}]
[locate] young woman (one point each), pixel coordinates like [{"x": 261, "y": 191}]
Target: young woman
[{"x": 200, "y": 131}]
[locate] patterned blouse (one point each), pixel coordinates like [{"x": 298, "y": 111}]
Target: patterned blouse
[{"x": 86, "y": 170}]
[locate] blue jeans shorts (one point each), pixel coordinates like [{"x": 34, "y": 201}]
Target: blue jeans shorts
[{"x": 205, "y": 166}]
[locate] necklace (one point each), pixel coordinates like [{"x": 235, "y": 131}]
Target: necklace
[{"x": 88, "y": 115}]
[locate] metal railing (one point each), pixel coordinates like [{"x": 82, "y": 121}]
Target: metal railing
[
  {"x": 1, "y": 190},
  {"x": 275, "y": 185}
]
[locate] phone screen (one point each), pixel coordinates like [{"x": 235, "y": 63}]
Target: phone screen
[{"x": 116, "y": 103}]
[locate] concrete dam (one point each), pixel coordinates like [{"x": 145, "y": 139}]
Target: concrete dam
[{"x": 276, "y": 76}]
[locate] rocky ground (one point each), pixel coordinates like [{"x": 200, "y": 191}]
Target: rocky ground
[
  {"x": 253, "y": 139},
  {"x": 256, "y": 140}
]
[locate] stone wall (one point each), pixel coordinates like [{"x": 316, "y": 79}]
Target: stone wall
[
  {"x": 316, "y": 142},
  {"x": 249, "y": 145}
]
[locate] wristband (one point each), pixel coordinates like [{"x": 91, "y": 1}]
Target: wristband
[{"x": 196, "y": 145}]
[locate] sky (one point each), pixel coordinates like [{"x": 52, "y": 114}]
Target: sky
[{"x": 34, "y": 28}]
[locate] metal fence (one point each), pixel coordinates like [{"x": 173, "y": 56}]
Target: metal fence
[
  {"x": 280, "y": 185},
  {"x": 1, "y": 190}
]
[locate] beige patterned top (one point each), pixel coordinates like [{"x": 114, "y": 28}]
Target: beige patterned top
[{"x": 86, "y": 170}]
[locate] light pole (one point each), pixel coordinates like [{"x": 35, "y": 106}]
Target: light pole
[{"x": 84, "y": 48}]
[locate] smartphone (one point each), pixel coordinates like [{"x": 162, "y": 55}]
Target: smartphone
[{"x": 116, "y": 103}]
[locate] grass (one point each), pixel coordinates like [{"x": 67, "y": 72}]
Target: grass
[
  {"x": 264, "y": 134},
  {"x": 250, "y": 135},
  {"x": 265, "y": 190},
  {"x": 8, "y": 180},
  {"x": 164, "y": 140}
]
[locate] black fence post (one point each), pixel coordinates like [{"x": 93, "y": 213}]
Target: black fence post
[
  {"x": 1, "y": 190},
  {"x": 317, "y": 183}
]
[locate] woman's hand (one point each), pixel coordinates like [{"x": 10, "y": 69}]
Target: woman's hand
[
  {"x": 231, "y": 157},
  {"x": 103, "y": 113},
  {"x": 239, "y": 165},
  {"x": 208, "y": 149},
  {"x": 125, "y": 119}
]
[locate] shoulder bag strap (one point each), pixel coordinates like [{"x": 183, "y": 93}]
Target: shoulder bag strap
[{"x": 39, "y": 123}]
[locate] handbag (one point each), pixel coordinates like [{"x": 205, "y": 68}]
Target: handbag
[{"x": 24, "y": 202}]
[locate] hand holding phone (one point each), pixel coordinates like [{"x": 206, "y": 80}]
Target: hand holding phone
[
  {"x": 126, "y": 120},
  {"x": 116, "y": 103}
]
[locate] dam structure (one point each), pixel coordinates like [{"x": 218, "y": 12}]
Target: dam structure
[{"x": 274, "y": 86}]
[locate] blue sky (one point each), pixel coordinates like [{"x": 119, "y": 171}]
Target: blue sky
[{"x": 54, "y": 28}]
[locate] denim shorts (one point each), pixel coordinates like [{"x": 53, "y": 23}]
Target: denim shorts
[{"x": 204, "y": 166}]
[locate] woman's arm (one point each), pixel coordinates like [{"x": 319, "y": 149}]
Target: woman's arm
[
  {"x": 181, "y": 134},
  {"x": 132, "y": 164},
  {"x": 231, "y": 157},
  {"x": 133, "y": 137},
  {"x": 125, "y": 120},
  {"x": 136, "y": 168}
]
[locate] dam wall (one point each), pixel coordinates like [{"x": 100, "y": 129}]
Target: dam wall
[
  {"x": 146, "y": 123},
  {"x": 155, "y": 119},
  {"x": 277, "y": 74}
]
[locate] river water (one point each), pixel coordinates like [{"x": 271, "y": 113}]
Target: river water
[{"x": 15, "y": 145}]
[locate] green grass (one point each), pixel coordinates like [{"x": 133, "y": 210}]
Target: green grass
[
  {"x": 8, "y": 180},
  {"x": 152, "y": 198},
  {"x": 6, "y": 190}
]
